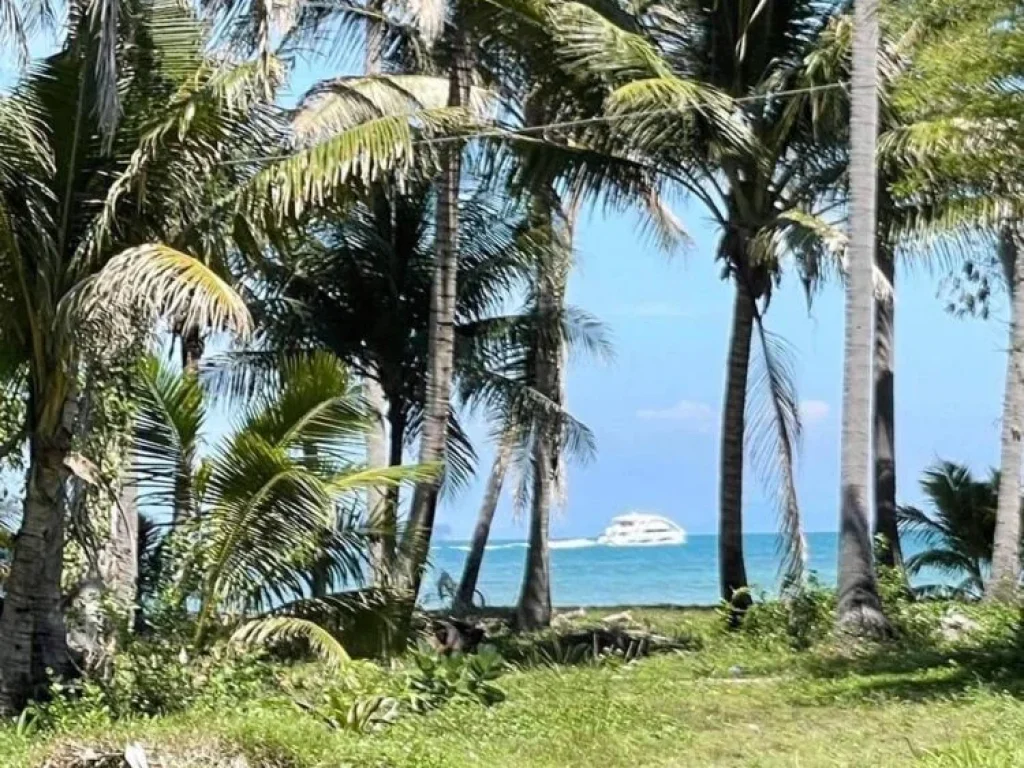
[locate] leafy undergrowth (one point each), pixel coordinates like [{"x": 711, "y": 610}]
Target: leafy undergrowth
[{"x": 758, "y": 697}]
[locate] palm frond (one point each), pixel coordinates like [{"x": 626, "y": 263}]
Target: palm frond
[
  {"x": 314, "y": 405},
  {"x": 324, "y": 171},
  {"x": 169, "y": 428},
  {"x": 773, "y": 435},
  {"x": 276, "y": 629},
  {"x": 338, "y": 105},
  {"x": 164, "y": 282}
]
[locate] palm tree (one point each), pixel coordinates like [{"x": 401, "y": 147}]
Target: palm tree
[
  {"x": 270, "y": 499},
  {"x": 533, "y": 610},
  {"x": 722, "y": 98},
  {"x": 859, "y": 609},
  {"x": 83, "y": 220},
  {"x": 958, "y": 532}
]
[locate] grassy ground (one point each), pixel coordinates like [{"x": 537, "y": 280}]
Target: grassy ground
[{"x": 737, "y": 701}]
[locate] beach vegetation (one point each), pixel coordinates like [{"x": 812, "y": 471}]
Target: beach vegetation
[{"x": 247, "y": 349}]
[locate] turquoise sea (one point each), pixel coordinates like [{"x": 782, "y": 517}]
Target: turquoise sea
[{"x": 585, "y": 573}]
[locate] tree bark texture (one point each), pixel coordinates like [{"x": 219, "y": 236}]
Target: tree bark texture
[
  {"x": 859, "y": 607},
  {"x": 33, "y": 637},
  {"x": 1005, "y": 578},
  {"x": 891, "y": 554},
  {"x": 732, "y": 568},
  {"x": 377, "y": 454}
]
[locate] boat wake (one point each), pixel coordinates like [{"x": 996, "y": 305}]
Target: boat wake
[
  {"x": 492, "y": 547},
  {"x": 554, "y": 544},
  {"x": 573, "y": 543}
]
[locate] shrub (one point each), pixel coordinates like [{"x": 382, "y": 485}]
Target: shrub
[
  {"x": 435, "y": 680},
  {"x": 151, "y": 678},
  {"x": 800, "y": 619}
]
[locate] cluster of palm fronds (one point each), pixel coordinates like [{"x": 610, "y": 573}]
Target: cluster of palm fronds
[
  {"x": 956, "y": 534},
  {"x": 261, "y": 525}
]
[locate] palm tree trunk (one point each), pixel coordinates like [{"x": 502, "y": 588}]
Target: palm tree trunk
[
  {"x": 471, "y": 572},
  {"x": 192, "y": 348},
  {"x": 891, "y": 555},
  {"x": 382, "y": 553},
  {"x": 1005, "y": 578},
  {"x": 396, "y": 435},
  {"x": 440, "y": 341},
  {"x": 33, "y": 637},
  {"x": 859, "y": 607},
  {"x": 732, "y": 569},
  {"x": 534, "y": 608}
]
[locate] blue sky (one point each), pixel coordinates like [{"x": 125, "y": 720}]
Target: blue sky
[{"x": 655, "y": 409}]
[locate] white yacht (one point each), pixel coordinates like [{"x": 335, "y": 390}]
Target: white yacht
[{"x": 638, "y": 529}]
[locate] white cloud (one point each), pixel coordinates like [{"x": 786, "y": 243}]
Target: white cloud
[
  {"x": 814, "y": 411},
  {"x": 690, "y": 414}
]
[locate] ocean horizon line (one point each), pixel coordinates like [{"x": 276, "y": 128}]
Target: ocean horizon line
[{"x": 464, "y": 540}]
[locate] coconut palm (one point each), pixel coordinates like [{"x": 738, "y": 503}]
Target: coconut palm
[
  {"x": 92, "y": 227},
  {"x": 958, "y": 530},
  {"x": 272, "y": 499},
  {"x": 360, "y": 288},
  {"x": 722, "y": 98}
]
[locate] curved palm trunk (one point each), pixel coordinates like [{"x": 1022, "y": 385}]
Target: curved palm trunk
[
  {"x": 471, "y": 572},
  {"x": 891, "y": 555},
  {"x": 859, "y": 607},
  {"x": 382, "y": 549},
  {"x": 1005, "y": 577},
  {"x": 33, "y": 637},
  {"x": 440, "y": 344},
  {"x": 732, "y": 569}
]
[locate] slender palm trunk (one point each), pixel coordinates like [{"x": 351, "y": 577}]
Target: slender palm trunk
[
  {"x": 471, "y": 572},
  {"x": 440, "y": 341},
  {"x": 891, "y": 554},
  {"x": 33, "y": 637},
  {"x": 732, "y": 569},
  {"x": 1005, "y": 577},
  {"x": 534, "y": 608},
  {"x": 396, "y": 452},
  {"x": 382, "y": 551},
  {"x": 192, "y": 348},
  {"x": 859, "y": 607},
  {"x": 382, "y": 548}
]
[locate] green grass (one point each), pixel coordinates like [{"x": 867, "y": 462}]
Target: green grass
[{"x": 738, "y": 701}]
